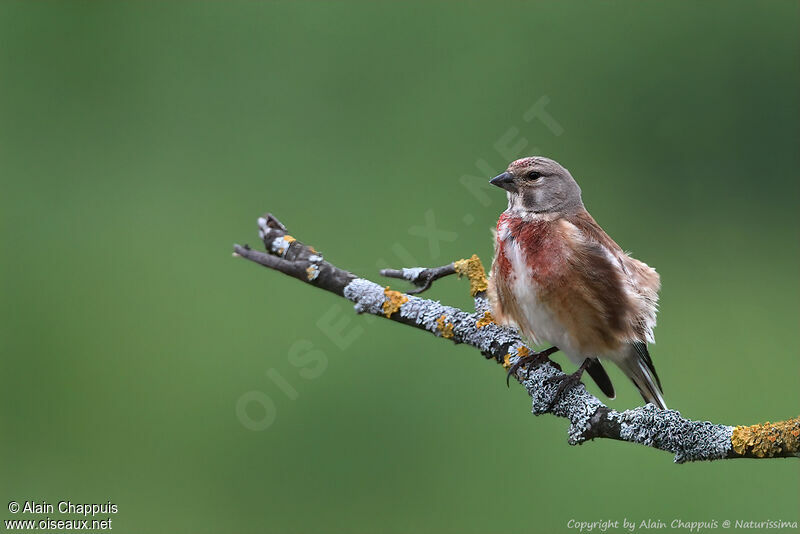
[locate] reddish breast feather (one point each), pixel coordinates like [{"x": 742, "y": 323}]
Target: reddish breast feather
[
  {"x": 535, "y": 239},
  {"x": 502, "y": 263}
]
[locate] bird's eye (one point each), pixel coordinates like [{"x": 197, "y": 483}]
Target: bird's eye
[{"x": 533, "y": 175}]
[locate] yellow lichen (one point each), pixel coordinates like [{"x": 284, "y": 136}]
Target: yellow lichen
[
  {"x": 472, "y": 268},
  {"x": 446, "y": 329},
  {"x": 521, "y": 352},
  {"x": 281, "y": 245},
  {"x": 312, "y": 272},
  {"x": 487, "y": 319},
  {"x": 767, "y": 439},
  {"x": 394, "y": 299}
]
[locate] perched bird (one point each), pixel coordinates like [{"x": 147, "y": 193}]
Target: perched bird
[{"x": 560, "y": 279}]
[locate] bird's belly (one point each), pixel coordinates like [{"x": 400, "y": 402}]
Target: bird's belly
[
  {"x": 536, "y": 319},
  {"x": 542, "y": 325}
]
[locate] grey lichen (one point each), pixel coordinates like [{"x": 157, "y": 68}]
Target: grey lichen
[
  {"x": 367, "y": 296},
  {"x": 482, "y": 305},
  {"x": 426, "y": 313},
  {"x": 668, "y": 430},
  {"x": 492, "y": 334},
  {"x": 280, "y": 244},
  {"x": 575, "y": 403},
  {"x": 412, "y": 273}
]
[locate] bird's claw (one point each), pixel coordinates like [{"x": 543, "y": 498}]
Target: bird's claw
[
  {"x": 530, "y": 361},
  {"x": 566, "y": 382}
]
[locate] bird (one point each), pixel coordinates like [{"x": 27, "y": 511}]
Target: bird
[{"x": 559, "y": 279}]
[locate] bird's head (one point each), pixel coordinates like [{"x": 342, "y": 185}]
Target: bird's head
[{"x": 539, "y": 185}]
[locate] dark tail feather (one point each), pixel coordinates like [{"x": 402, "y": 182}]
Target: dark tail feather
[
  {"x": 598, "y": 374},
  {"x": 639, "y": 368},
  {"x": 641, "y": 350}
]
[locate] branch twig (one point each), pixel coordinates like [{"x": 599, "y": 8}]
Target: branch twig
[
  {"x": 589, "y": 417},
  {"x": 421, "y": 277}
]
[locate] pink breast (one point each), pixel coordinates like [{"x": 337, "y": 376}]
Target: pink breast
[{"x": 538, "y": 241}]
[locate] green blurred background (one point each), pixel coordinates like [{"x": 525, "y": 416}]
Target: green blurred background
[{"x": 139, "y": 141}]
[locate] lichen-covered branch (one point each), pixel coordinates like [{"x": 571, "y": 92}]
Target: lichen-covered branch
[{"x": 589, "y": 418}]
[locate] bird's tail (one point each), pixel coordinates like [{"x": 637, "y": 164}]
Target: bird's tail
[{"x": 638, "y": 366}]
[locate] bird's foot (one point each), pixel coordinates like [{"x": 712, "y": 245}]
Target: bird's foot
[
  {"x": 532, "y": 360},
  {"x": 566, "y": 382}
]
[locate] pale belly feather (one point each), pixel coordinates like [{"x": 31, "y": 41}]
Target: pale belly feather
[{"x": 538, "y": 322}]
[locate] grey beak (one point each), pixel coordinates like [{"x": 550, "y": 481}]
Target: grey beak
[{"x": 504, "y": 181}]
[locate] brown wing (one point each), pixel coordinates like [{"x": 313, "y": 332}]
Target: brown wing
[
  {"x": 641, "y": 279},
  {"x": 590, "y": 295},
  {"x": 584, "y": 222},
  {"x": 645, "y": 283}
]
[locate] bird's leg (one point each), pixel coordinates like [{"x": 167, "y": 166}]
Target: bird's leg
[
  {"x": 568, "y": 381},
  {"x": 532, "y": 360}
]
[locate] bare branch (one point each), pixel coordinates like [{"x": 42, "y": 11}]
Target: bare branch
[{"x": 589, "y": 417}]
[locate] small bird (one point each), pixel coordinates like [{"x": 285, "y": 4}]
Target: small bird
[{"x": 560, "y": 279}]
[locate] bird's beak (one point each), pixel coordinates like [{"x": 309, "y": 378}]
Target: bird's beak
[{"x": 504, "y": 181}]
